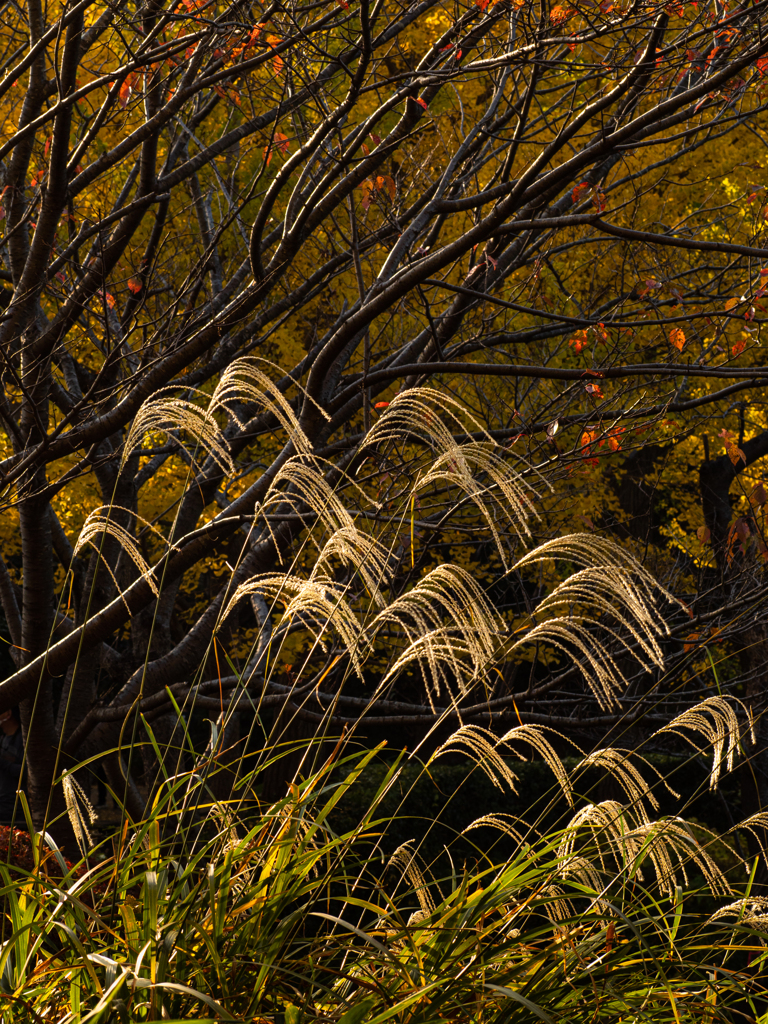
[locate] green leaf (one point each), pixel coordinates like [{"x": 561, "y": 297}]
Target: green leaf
[{"x": 355, "y": 1014}]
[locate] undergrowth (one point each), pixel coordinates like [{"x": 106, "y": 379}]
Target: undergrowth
[{"x": 251, "y": 912}]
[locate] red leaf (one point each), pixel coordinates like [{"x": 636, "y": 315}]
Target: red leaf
[
  {"x": 366, "y": 187},
  {"x": 758, "y": 495},
  {"x": 579, "y": 191},
  {"x": 422, "y": 103},
  {"x": 135, "y": 285},
  {"x": 125, "y": 91},
  {"x": 381, "y": 405},
  {"x": 595, "y": 390},
  {"x": 739, "y": 346}
]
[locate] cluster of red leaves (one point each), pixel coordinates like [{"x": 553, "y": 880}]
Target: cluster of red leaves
[
  {"x": 580, "y": 340},
  {"x": 16, "y": 848},
  {"x": 16, "y": 852},
  {"x": 593, "y": 438},
  {"x": 741, "y": 539}
]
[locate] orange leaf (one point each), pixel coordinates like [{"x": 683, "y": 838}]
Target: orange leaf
[
  {"x": 277, "y": 63},
  {"x": 677, "y": 338},
  {"x": 109, "y": 299},
  {"x": 381, "y": 405},
  {"x": 595, "y": 390},
  {"x": 601, "y": 334},
  {"x": 386, "y": 184},
  {"x": 614, "y": 437},
  {"x": 579, "y": 342},
  {"x": 732, "y": 450},
  {"x": 422, "y": 103},
  {"x": 579, "y": 191},
  {"x": 690, "y": 640},
  {"x": 730, "y": 304},
  {"x": 281, "y": 143},
  {"x": 135, "y": 285},
  {"x": 381, "y": 186},
  {"x": 739, "y": 346},
  {"x": 735, "y": 453},
  {"x": 559, "y": 15}
]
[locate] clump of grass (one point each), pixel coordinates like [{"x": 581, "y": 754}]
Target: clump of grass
[{"x": 205, "y": 913}]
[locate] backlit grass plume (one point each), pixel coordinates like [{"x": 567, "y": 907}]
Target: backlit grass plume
[{"x": 717, "y": 721}]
